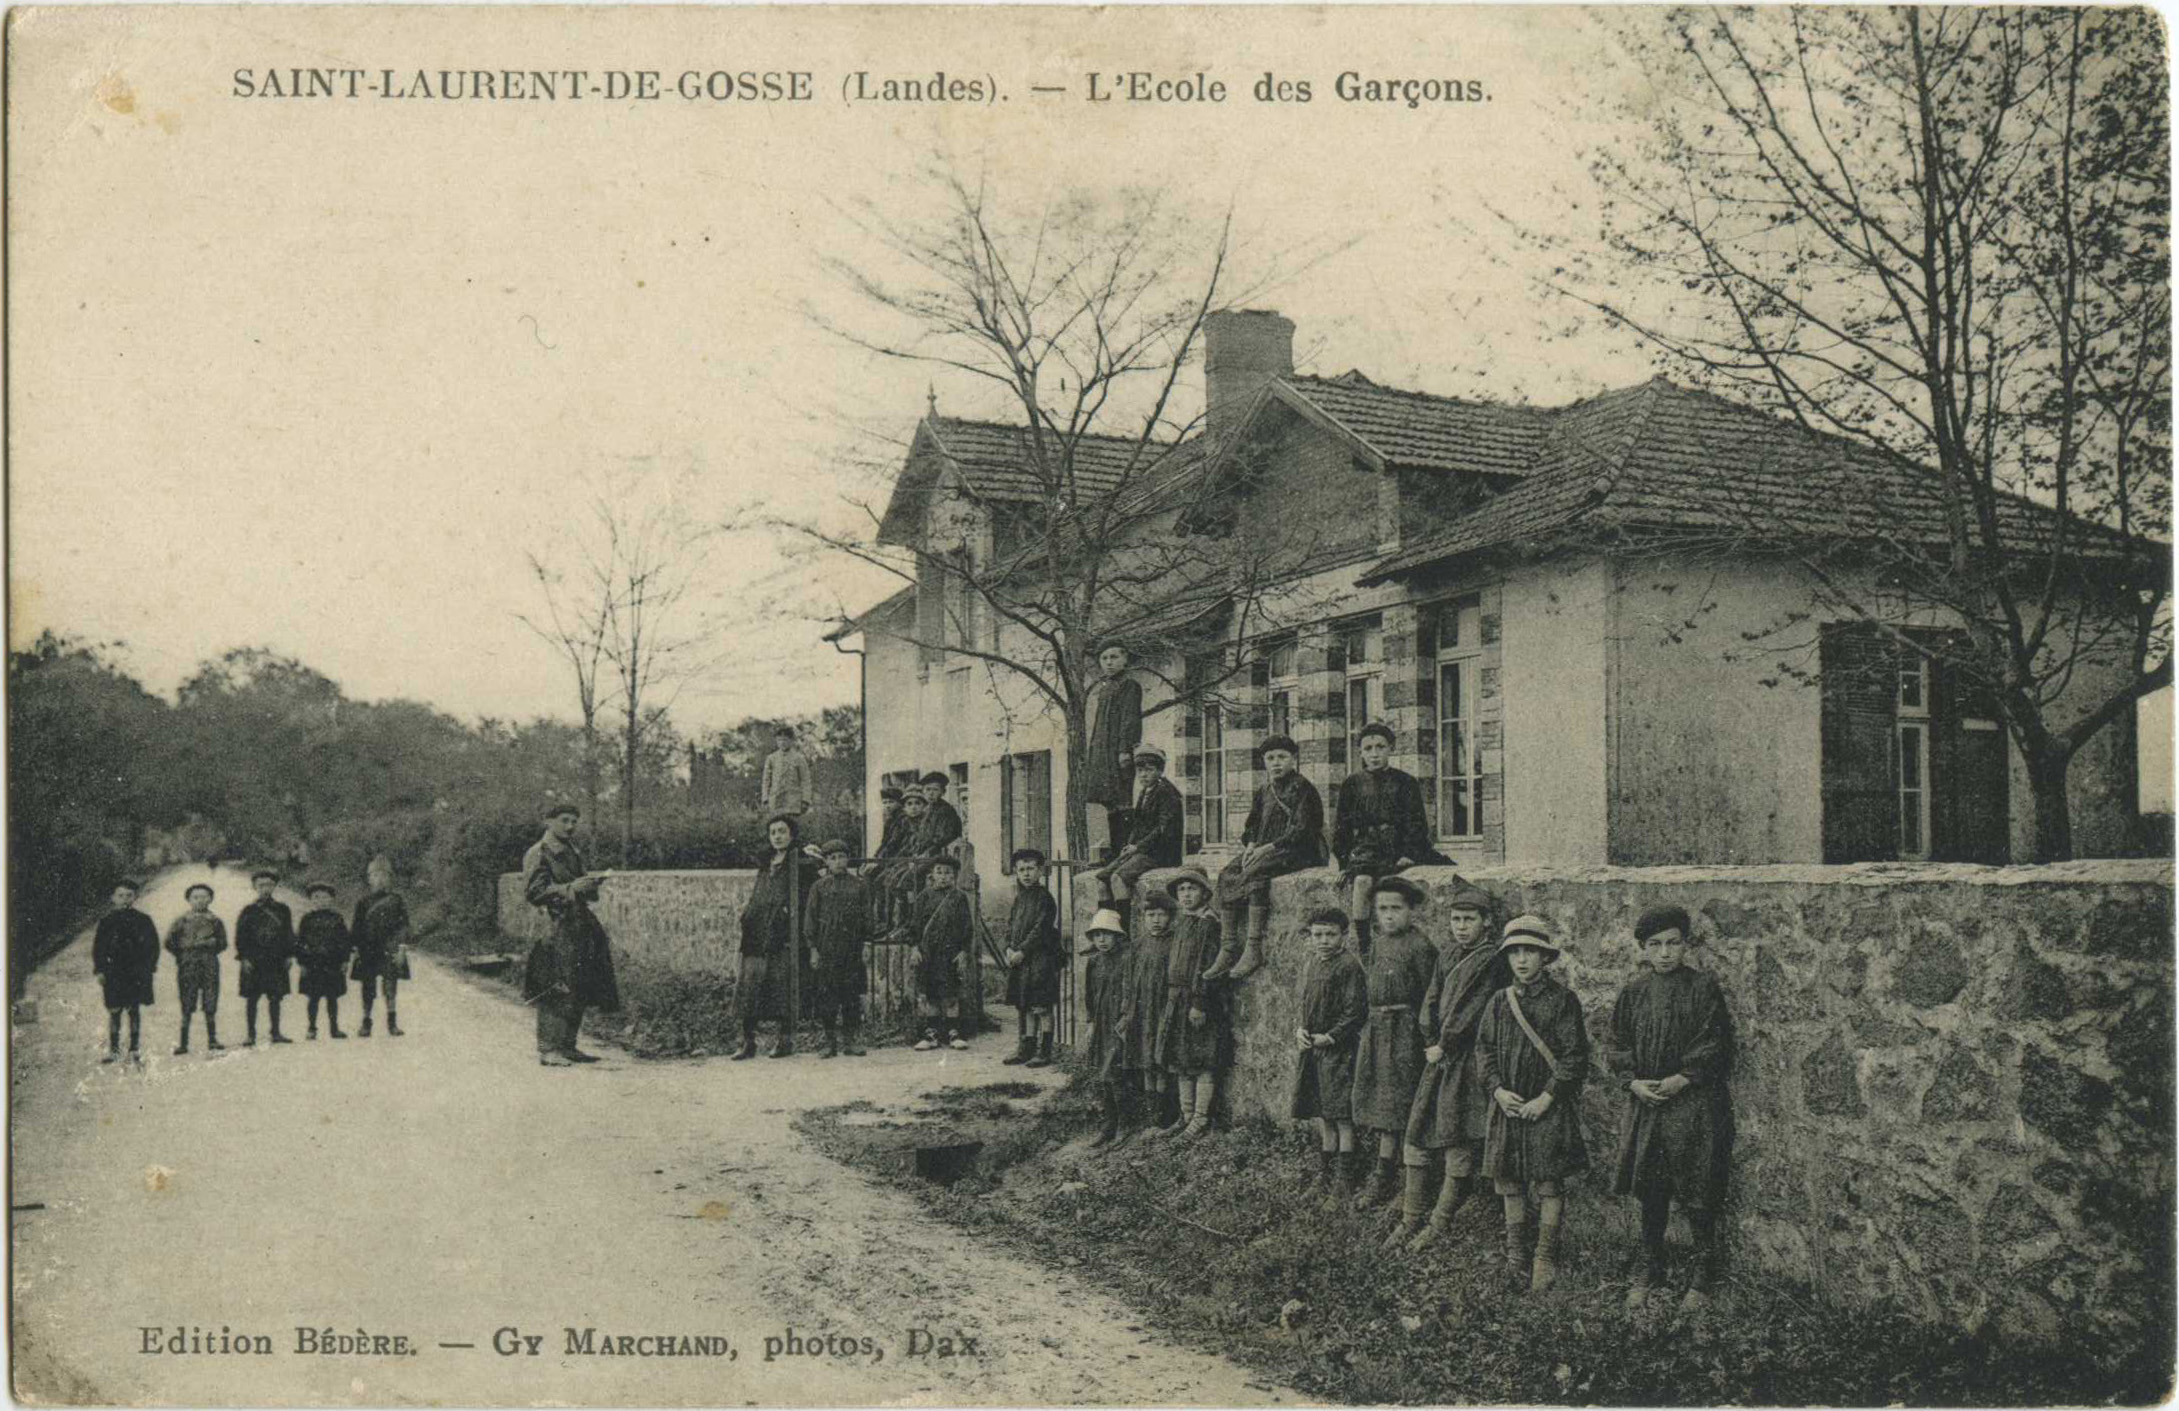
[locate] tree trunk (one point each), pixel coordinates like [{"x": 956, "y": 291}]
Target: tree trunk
[
  {"x": 2047, "y": 767},
  {"x": 628, "y": 798},
  {"x": 1077, "y": 809}
]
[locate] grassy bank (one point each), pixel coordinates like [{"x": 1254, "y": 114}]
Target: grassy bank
[{"x": 1217, "y": 1241}]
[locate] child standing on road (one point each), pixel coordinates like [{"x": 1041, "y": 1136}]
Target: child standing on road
[
  {"x": 322, "y": 943},
  {"x": 1033, "y": 958},
  {"x": 1333, "y": 1007},
  {"x": 1451, "y": 1111},
  {"x": 1388, "y": 1058},
  {"x": 1195, "y": 1041},
  {"x": 838, "y": 927},
  {"x": 942, "y": 929},
  {"x": 381, "y": 935},
  {"x": 1108, "y": 987},
  {"x": 264, "y": 944},
  {"x": 124, "y": 956},
  {"x": 1672, "y": 1037},
  {"x": 1532, "y": 1053},
  {"x": 1146, "y": 981},
  {"x": 195, "y": 940}
]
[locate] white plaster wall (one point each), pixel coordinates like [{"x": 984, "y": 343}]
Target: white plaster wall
[{"x": 1554, "y": 677}]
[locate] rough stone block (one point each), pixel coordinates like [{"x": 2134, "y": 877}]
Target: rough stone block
[
  {"x": 1932, "y": 971},
  {"x": 1829, "y": 1086},
  {"x": 1960, "y": 1091},
  {"x": 2063, "y": 1103}
]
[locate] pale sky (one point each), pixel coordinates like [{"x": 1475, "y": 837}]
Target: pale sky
[{"x": 313, "y": 374}]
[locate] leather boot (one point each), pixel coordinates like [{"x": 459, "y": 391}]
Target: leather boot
[
  {"x": 1414, "y": 1205},
  {"x": 1546, "y": 1270},
  {"x": 1352, "y": 1166},
  {"x": 1382, "y": 1186},
  {"x": 1259, "y": 926},
  {"x": 1169, "y": 1113},
  {"x": 1109, "y": 1132},
  {"x": 1130, "y": 1117},
  {"x": 1199, "y": 1121},
  {"x": 1452, "y": 1194},
  {"x": 1517, "y": 1246},
  {"x": 1024, "y": 1049},
  {"x": 1044, "y": 1053},
  {"x": 211, "y": 1033}
]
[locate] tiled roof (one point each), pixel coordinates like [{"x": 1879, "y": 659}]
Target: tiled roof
[
  {"x": 1661, "y": 457},
  {"x": 998, "y": 463},
  {"x": 1426, "y": 432}
]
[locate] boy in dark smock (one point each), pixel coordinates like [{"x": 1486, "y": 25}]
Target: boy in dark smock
[
  {"x": 1532, "y": 1053},
  {"x": 1285, "y": 833},
  {"x": 1451, "y": 1111},
  {"x": 1195, "y": 1037},
  {"x": 1033, "y": 958},
  {"x": 900, "y": 879},
  {"x": 1115, "y": 728},
  {"x": 124, "y": 957},
  {"x": 264, "y": 945},
  {"x": 322, "y": 945},
  {"x": 381, "y": 933},
  {"x": 1334, "y": 1006},
  {"x": 891, "y": 834},
  {"x": 570, "y": 968},
  {"x": 1157, "y": 823},
  {"x": 1672, "y": 1039},
  {"x": 838, "y": 928},
  {"x": 195, "y": 940},
  {"x": 1379, "y": 827},
  {"x": 1108, "y": 988},
  {"x": 767, "y": 948},
  {"x": 942, "y": 929},
  {"x": 1388, "y": 1057},
  {"x": 1146, "y": 977}
]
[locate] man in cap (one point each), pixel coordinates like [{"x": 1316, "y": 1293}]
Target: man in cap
[
  {"x": 1156, "y": 824},
  {"x": 571, "y": 968}
]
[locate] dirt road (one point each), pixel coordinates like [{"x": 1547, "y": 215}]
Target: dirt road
[{"x": 444, "y": 1188}]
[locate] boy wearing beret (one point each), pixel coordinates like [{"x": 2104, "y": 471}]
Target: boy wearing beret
[
  {"x": 1284, "y": 833},
  {"x": 1388, "y": 1058},
  {"x": 1334, "y": 1005},
  {"x": 838, "y": 927},
  {"x": 124, "y": 956},
  {"x": 1672, "y": 1040},
  {"x": 941, "y": 928},
  {"x": 1033, "y": 958},
  {"x": 195, "y": 940},
  {"x": 322, "y": 944},
  {"x": 1532, "y": 1053},
  {"x": 264, "y": 944}
]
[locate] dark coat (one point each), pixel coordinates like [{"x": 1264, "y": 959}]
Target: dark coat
[
  {"x": 1115, "y": 728},
  {"x": 195, "y": 942},
  {"x": 1388, "y": 1057},
  {"x": 1032, "y": 927},
  {"x": 1550, "y": 1146},
  {"x": 575, "y": 960},
  {"x": 941, "y": 826},
  {"x": 838, "y": 928},
  {"x": 125, "y": 956},
  {"x": 1662, "y": 1025},
  {"x": 1108, "y": 984},
  {"x": 1146, "y": 982},
  {"x": 1185, "y": 1046},
  {"x": 380, "y": 928},
  {"x": 1287, "y": 816},
  {"x": 264, "y": 944},
  {"x": 943, "y": 929},
  {"x": 1378, "y": 819},
  {"x": 1335, "y": 1001},
  {"x": 1157, "y": 829},
  {"x": 767, "y": 936},
  {"x": 895, "y": 835},
  {"x": 1451, "y": 1108},
  {"x": 322, "y": 944}
]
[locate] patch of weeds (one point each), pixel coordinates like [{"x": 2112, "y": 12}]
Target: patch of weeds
[{"x": 1224, "y": 1242}]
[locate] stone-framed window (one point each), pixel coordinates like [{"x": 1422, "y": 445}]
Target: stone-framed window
[{"x": 1460, "y": 672}]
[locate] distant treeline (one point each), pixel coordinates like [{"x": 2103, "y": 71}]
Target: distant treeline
[{"x": 262, "y": 759}]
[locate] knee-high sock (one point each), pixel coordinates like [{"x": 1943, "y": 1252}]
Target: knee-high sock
[{"x": 1656, "y": 1215}]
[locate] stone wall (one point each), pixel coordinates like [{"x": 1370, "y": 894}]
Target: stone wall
[
  {"x": 683, "y": 921},
  {"x": 1953, "y": 1085}
]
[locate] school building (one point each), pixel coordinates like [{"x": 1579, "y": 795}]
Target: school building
[{"x": 1577, "y": 619}]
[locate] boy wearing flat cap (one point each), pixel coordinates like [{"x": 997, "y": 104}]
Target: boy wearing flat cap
[
  {"x": 1672, "y": 1040},
  {"x": 837, "y": 928},
  {"x": 1285, "y": 833},
  {"x": 1532, "y": 1053},
  {"x": 1033, "y": 958},
  {"x": 264, "y": 944},
  {"x": 1378, "y": 826},
  {"x": 195, "y": 940},
  {"x": 1155, "y": 834}
]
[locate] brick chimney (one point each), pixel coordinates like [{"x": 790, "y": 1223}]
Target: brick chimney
[{"x": 1242, "y": 350}]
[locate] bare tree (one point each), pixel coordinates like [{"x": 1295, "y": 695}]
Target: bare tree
[
  {"x": 1941, "y": 238},
  {"x": 620, "y": 616},
  {"x": 1082, "y": 316}
]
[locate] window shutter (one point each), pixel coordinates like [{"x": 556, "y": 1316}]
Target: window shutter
[
  {"x": 1969, "y": 815},
  {"x": 1860, "y": 687}
]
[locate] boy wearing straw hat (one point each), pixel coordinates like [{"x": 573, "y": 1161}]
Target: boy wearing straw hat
[{"x": 1532, "y": 1053}]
